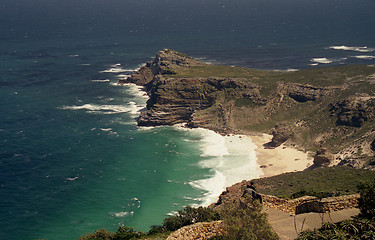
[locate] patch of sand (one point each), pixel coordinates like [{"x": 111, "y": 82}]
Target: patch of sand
[{"x": 279, "y": 160}]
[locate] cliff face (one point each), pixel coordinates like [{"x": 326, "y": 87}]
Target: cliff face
[{"x": 329, "y": 108}]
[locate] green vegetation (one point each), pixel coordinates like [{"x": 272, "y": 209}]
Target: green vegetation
[
  {"x": 320, "y": 182},
  {"x": 328, "y": 76},
  {"x": 245, "y": 220},
  {"x": 220, "y": 71},
  {"x": 367, "y": 201},
  {"x": 361, "y": 227},
  {"x": 242, "y": 219},
  {"x": 189, "y": 216}
]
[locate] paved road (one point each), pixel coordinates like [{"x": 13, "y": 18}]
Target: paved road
[{"x": 287, "y": 226}]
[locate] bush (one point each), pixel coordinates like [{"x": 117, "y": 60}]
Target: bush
[
  {"x": 366, "y": 202},
  {"x": 362, "y": 227},
  {"x": 244, "y": 220},
  {"x": 190, "y": 216},
  {"x": 101, "y": 234},
  {"x": 125, "y": 233}
]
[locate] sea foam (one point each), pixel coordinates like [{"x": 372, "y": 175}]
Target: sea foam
[
  {"x": 321, "y": 60},
  {"x": 106, "y": 109},
  {"x": 230, "y": 159},
  {"x": 364, "y": 57},
  {"x": 356, "y": 49}
]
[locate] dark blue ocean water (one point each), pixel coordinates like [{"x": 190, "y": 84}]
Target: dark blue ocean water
[{"x": 71, "y": 157}]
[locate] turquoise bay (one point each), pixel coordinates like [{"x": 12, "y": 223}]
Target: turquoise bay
[{"x": 73, "y": 160}]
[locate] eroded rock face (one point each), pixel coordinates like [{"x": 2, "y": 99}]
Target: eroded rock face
[
  {"x": 281, "y": 133},
  {"x": 302, "y": 92},
  {"x": 175, "y": 100},
  {"x": 354, "y": 112},
  {"x": 323, "y": 157}
]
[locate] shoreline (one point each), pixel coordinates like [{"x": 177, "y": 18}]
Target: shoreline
[
  {"x": 268, "y": 161},
  {"x": 283, "y": 159}
]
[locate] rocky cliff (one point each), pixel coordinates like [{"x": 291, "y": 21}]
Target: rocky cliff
[{"x": 329, "y": 108}]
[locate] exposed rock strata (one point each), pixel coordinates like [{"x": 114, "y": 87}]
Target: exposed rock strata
[
  {"x": 302, "y": 92},
  {"x": 304, "y": 113},
  {"x": 354, "y": 111}
]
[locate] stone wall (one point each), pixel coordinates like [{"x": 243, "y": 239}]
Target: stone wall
[
  {"x": 198, "y": 231},
  {"x": 311, "y": 204}
]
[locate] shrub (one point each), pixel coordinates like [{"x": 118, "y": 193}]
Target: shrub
[
  {"x": 101, "y": 234},
  {"x": 366, "y": 202},
  {"x": 244, "y": 220},
  {"x": 125, "y": 233},
  {"x": 189, "y": 216}
]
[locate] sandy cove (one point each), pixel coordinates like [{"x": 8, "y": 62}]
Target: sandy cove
[{"x": 279, "y": 160}]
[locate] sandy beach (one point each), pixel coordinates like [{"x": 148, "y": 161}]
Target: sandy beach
[{"x": 279, "y": 160}]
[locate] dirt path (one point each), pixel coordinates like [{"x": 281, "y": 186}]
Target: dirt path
[{"x": 285, "y": 225}]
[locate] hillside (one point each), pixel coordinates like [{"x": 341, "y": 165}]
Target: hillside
[{"x": 329, "y": 111}]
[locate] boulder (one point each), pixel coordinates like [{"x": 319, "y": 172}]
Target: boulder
[
  {"x": 322, "y": 157},
  {"x": 281, "y": 133}
]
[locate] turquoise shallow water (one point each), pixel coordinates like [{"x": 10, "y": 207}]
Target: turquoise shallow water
[{"x": 71, "y": 157}]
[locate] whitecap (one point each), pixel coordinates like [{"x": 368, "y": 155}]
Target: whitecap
[
  {"x": 106, "y": 129},
  {"x": 369, "y": 57},
  {"x": 120, "y": 214},
  {"x": 321, "y": 60},
  {"x": 100, "y": 80},
  {"x": 123, "y": 76},
  {"x": 71, "y": 179},
  {"x": 356, "y": 49},
  {"x": 114, "y": 70},
  {"x": 106, "y": 109}
]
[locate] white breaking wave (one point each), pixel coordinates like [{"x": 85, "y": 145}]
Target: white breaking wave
[
  {"x": 123, "y": 76},
  {"x": 100, "y": 80},
  {"x": 122, "y": 214},
  {"x": 71, "y": 178},
  {"x": 116, "y": 68},
  {"x": 356, "y": 49},
  {"x": 231, "y": 160},
  {"x": 321, "y": 60},
  {"x": 106, "y": 109},
  {"x": 364, "y": 57}
]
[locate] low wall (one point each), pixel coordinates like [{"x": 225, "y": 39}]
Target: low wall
[
  {"x": 198, "y": 231},
  {"x": 311, "y": 204}
]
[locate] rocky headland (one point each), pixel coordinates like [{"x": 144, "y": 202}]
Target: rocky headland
[{"x": 327, "y": 111}]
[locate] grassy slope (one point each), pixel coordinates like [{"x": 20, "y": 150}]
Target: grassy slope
[
  {"x": 316, "y": 115},
  {"x": 340, "y": 180}
]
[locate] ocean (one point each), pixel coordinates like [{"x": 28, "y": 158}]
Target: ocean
[{"x": 73, "y": 160}]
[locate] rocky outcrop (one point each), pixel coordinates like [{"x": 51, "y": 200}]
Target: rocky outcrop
[
  {"x": 281, "y": 133},
  {"x": 166, "y": 62},
  {"x": 182, "y": 89},
  {"x": 199, "y": 231},
  {"x": 322, "y": 157},
  {"x": 175, "y": 100},
  {"x": 302, "y": 92},
  {"x": 354, "y": 112}
]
